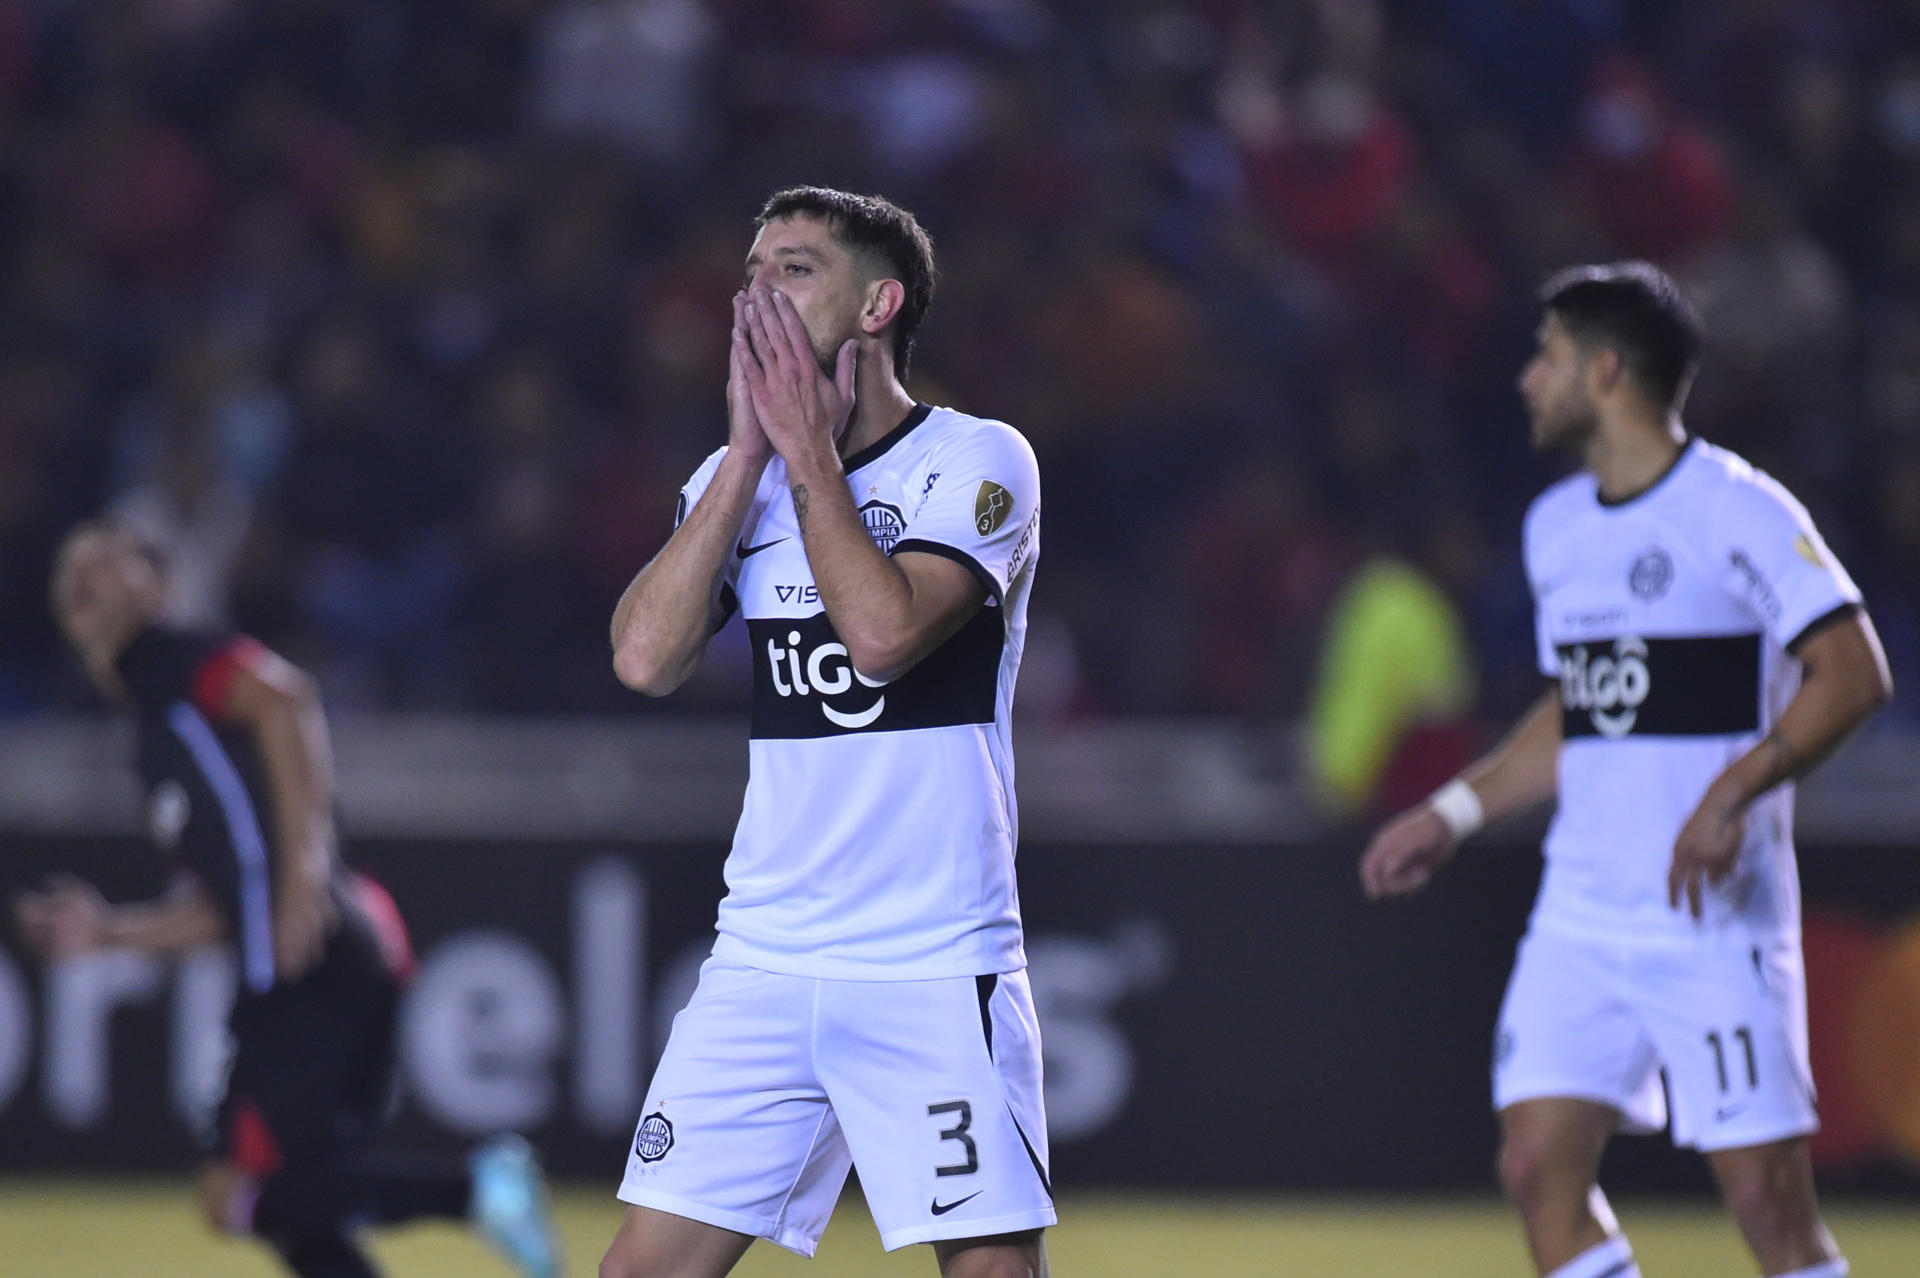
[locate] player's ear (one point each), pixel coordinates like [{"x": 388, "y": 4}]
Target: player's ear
[
  {"x": 884, "y": 300},
  {"x": 1604, "y": 368}
]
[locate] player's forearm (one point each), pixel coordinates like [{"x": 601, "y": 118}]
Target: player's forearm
[
  {"x": 1521, "y": 772},
  {"x": 1845, "y": 681},
  {"x": 662, "y": 622},
  {"x": 867, "y": 597},
  {"x": 176, "y": 923}
]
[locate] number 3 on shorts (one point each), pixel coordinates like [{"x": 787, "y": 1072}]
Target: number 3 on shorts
[{"x": 962, "y": 1125}]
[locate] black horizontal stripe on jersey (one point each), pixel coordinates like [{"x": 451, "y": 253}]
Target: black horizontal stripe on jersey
[
  {"x": 1691, "y": 686},
  {"x": 956, "y": 683}
]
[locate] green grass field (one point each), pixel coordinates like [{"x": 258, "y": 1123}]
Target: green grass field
[{"x": 57, "y": 1229}]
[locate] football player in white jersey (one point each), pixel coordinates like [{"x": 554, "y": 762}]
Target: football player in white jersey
[
  {"x": 1706, "y": 651},
  {"x": 866, "y": 1002}
]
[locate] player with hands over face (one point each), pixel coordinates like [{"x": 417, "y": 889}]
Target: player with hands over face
[{"x": 866, "y": 1002}]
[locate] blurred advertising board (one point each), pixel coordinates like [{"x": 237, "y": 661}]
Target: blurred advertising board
[{"x": 1215, "y": 1015}]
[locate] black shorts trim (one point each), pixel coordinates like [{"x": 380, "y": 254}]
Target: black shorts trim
[
  {"x": 984, "y": 987},
  {"x": 1038, "y": 1170}
]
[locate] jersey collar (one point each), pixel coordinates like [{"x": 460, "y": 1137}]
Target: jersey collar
[
  {"x": 872, "y": 452},
  {"x": 1686, "y": 451}
]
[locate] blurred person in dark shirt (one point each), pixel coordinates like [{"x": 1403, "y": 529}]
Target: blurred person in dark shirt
[{"x": 234, "y": 756}]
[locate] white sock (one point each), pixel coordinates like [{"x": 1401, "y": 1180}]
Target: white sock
[
  {"x": 1610, "y": 1259},
  {"x": 1835, "y": 1268}
]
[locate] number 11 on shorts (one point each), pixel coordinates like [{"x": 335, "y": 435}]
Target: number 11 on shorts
[{"x": 1745, "y": 1036}]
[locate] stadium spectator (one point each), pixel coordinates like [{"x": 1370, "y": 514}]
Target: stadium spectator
[{"x": 1175, "y": 228}]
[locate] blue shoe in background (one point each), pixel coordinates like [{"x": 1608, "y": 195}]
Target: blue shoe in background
[{"x": 510, "y": 1205}]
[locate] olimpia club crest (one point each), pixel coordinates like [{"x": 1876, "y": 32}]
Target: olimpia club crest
[
  {"x": 654, "y": 1138},
  {"x": 884, "y": 524},
  {"x": 1652, "y": 573}
]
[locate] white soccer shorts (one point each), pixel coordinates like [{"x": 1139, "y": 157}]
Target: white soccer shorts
[
  {"x": 771, "y": 1086},
  {"x": 1726, "y": 1019}
]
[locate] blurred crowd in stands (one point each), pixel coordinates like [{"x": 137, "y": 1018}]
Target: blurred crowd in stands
[{"x": 399, "y": 324}]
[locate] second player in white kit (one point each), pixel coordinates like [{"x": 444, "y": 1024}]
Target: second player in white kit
[
  {"x": 866, "y": 1003},
  {"x": 1705, "y": 650},
  {"x": 1669, "y": 621}
]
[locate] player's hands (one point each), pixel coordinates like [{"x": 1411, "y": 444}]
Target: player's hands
[
  {"x": 66, "y": 916},
  {"x": 744, "y": 436},
  {"x": 801, "y": 410},
  {"x": 1405, "y": 853},
  {"x": 1707, "y": 850}
]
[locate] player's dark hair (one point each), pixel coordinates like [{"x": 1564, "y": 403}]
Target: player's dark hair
[
  {"x": 877, "y": 227},
  {"x": 1636, "y": 309}
]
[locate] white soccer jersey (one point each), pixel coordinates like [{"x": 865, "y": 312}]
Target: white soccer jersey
[
  {"x": 877, "y": 838},
  {"x": 1670, "y": 619}
]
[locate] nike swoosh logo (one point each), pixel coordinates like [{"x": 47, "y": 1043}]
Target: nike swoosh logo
[
  {"x": 941, "y": 1209},
  {"x": 1725, "y": 1112},
  {"x": 745, "y": 551}
]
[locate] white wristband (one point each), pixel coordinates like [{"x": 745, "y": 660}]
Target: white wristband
[{"x": 1459, "y": 807}]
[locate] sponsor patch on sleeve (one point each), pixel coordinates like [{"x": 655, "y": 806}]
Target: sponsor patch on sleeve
[{"x": 991, "y": 506}]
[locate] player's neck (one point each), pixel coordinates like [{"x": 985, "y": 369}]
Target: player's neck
[
  {"x": 1629, "y": 457},
  {"x": 882, "y": 403}
]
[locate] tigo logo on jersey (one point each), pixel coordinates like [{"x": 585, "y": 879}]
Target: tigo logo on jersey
[
  {"x": 1611, "y": 688},
  {"x": 804, "y": 683},
  {"x": 654, "y": 1138},
  {"x": 827, "y": 671}
]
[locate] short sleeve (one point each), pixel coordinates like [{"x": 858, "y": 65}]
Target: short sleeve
[
  {"x": 982, "y": 507},
  {"x": 213, "y": 681},
  {"x": 1778, "y": 565},
  {"x": 696, "y": 487},
  {"x": 690, "y": 494}
]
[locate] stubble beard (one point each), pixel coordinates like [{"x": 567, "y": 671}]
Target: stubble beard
[
  {"x": 1564, "y": 428},
  {"x": 827, "y": 353}
]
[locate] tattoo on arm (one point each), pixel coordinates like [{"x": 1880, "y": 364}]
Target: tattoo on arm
[{"x": 800, "y": 504}]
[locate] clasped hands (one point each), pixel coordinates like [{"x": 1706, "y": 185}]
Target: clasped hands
[{"x": 777, "y": 394}]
